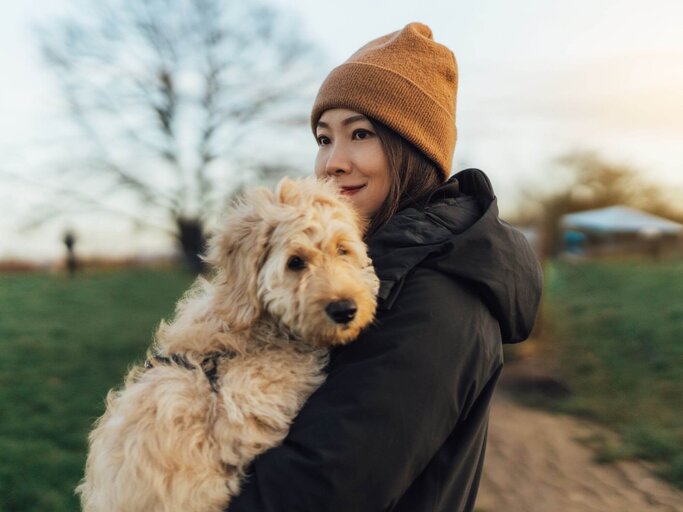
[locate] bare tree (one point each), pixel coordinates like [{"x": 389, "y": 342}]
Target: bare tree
[{"x": 168, "y": 95}]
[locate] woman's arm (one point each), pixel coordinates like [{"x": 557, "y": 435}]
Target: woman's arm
[{"x": 390, "y": 401}]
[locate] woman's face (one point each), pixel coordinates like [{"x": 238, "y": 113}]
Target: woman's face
[{"x": 350, "y": 152}]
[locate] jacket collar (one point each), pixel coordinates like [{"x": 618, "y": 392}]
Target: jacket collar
[
  {"x": 460, "y": 235},
  {"x": 413, "y": 235}
]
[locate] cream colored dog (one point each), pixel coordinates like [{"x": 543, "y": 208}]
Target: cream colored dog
[{"x": 245, "y": 350}]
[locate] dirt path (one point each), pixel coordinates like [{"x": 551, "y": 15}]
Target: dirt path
[{"x": 534, "y": 464}]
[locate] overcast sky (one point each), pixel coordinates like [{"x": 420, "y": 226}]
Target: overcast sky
[{"x": 537, "y": 79}]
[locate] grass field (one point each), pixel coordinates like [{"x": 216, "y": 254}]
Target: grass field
[
  {"x": 63, "y": 344},
  {"x": 615, "y": 332},
  {"x": 617, "y": 336}
]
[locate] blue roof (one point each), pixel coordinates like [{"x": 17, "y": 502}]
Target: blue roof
[{"x": 620, "y": 219}]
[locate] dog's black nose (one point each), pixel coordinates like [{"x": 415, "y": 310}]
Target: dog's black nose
[{"x": 341, "y": 311}]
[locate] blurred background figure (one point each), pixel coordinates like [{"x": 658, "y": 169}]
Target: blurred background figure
[{"x": 71, "y": 261}]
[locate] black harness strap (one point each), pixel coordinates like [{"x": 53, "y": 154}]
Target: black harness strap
[{"x": 209, "y": 364}]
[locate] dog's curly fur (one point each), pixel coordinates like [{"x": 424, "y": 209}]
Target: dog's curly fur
[{"x": 168, "y": 441}]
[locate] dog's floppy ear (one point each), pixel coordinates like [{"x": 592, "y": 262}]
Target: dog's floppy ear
[
  {"x": 237, "y": 253},
  {"x": 289, "y": 191}
]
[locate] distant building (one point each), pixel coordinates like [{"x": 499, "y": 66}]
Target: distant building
[{"x": 620, "y": 230}]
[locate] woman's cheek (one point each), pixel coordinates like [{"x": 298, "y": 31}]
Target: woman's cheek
[{"x": 319, "y": 165}]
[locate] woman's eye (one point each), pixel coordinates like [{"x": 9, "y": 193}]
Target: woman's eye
[
  {"x": 361, "y": 134},
  {"x": 296, "y": 263},
  {"x": 322, "y": 140}
]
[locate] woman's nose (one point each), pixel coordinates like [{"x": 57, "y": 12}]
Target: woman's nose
[{"x": 337, "y": 163}]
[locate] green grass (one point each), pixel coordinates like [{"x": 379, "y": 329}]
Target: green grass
[
  {"x": 63, "y": 343},
  {"x": 617, "y": 334},
  {"x": 617, "y": 331}
]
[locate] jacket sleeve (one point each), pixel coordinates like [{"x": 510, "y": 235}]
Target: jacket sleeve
[{"x": 391, "y": 399}]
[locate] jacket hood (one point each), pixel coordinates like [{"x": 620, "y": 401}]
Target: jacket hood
[{"x": 460, "y": 234}]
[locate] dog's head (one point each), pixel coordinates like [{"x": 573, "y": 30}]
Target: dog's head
[{"x": 297, "y": 255}]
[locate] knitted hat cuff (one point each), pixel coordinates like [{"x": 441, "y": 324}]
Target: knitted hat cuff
[{"x": 404, "y": 107}]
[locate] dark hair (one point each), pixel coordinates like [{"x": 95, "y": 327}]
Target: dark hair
[{"x": 413, "y": 176}]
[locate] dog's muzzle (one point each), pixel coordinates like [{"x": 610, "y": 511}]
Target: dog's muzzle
[{"x": 341, "y": 311}]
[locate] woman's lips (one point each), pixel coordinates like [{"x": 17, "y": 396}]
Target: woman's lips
[{"x": 349, "y": 191}]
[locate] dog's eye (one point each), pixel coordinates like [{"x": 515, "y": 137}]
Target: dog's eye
[
  {"x": 296, "y": 263},
  {"x": 341, "y": 250}
]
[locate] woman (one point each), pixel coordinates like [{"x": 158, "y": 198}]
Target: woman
[{"x": 400, "y": 423}]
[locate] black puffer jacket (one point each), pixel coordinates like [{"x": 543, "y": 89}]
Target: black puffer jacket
[{"x": 400, "y": 423}]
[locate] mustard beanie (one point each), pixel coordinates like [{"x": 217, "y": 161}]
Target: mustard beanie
[{"x": 406, "y": 81}]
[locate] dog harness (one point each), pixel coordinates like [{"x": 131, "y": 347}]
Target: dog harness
[{"x": 209, "y": 365}]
